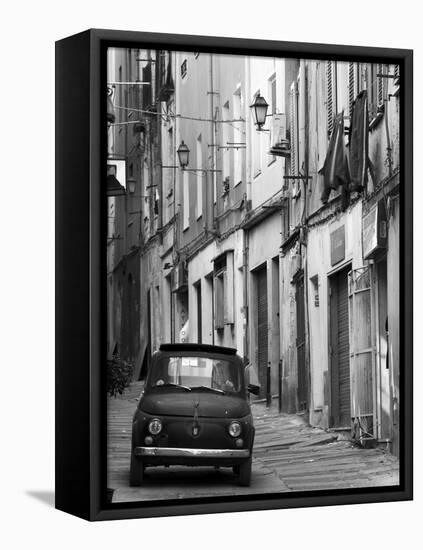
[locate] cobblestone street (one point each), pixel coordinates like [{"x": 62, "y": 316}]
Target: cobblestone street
[{"x": 288, "y": 456}]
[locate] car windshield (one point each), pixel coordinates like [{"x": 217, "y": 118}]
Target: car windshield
[{"x": 202, "y": 373}]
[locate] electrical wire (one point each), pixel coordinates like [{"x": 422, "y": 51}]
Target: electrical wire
[{"x": 176, "y": 115}]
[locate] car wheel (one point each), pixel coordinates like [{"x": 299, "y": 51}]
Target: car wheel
[
  {"x": 136, "y": 473},
  {"x": 244, "y": 475}
]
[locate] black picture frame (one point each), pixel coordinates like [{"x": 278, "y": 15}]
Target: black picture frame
[{"x": 80, "y": 263}]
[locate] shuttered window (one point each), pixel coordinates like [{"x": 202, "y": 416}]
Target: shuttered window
[
  {"x": 147, "y": 98},
  {"x": 396, "y": 74},
  {"x": 293, "y": 128},
  {"x": 331, "y": 94},
  {"x": 380, "y": 84},
  {"x": 226, "y": 159},
  {"x": 219, "y": 300},
  {"x": 229, "y": 289},
  {"x": 353, "y": 71},
  {"x": 224, "y": 290},
  {"x": 376, "y": 87},
  {"x": 271, "y": 87}
]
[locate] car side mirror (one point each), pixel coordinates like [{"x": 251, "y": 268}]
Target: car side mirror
[{"x": 252, "y": 388}]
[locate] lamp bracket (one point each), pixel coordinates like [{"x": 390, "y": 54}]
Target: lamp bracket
[
  {"x": 301, "y": 177},
  {"x": 200, "y": 170}
]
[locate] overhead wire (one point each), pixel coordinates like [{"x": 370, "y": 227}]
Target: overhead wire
[{"x": 176, "y": 115}]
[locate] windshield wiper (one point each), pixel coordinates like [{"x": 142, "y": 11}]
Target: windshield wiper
[
  {"x": 216, "y": 390},
  {"x": 186, "y": 388}
]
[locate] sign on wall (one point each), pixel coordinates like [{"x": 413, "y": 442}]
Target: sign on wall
[
  {"x": 337, "y": 245},
  {"x": 374, "y": 231}
]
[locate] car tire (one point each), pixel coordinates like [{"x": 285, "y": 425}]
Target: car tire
[
  {"x": 244, "y": 473},
  {"x": 136, "y": 472}
]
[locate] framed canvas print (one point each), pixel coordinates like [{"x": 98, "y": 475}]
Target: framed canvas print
[{"x": 234, "y": 274}]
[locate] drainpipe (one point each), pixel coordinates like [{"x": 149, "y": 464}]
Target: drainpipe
[
  {"x": 210, "y": 222},
  {"x": 245, "y": 251},
  {"x": 388, "y": 140},
  {"x": 304, "y": 148},
  {"x": 159, "y": 147},
  {"x": 175, "y": 217},
  {"x": 302, "y": 137},
  {"x": 211, "y": 213},
  {"x": 245, "y": 294}
]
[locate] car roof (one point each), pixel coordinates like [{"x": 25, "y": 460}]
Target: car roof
[{"x": 204, "y": 348}]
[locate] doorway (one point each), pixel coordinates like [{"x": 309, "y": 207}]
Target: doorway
[
  {"x": 339, "y": 351},
  {"x": 302, "y": 383},
  {"x": 262, "y": 328},
  {"x": 199, "y": 312}
]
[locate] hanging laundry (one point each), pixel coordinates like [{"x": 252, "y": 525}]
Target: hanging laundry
[
  {"x": 335, "y": 168},
  {"x": 359, "y": 142}
]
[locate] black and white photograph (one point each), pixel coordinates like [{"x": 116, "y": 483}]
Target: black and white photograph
[{"x": 253, "y": 274}]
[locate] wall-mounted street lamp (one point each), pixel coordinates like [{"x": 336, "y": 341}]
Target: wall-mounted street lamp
[
  {"x": 130, "y": 184},
  {"x": 183, "y": 155},
  {"x": 259, "y": 110}
]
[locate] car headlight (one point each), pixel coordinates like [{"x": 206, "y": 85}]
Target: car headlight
[
  {"x": 234, "y": 429},
  {"x": 155, "y": 426}
]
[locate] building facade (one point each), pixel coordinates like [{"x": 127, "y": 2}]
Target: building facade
[{"x": 280, "y": 240}]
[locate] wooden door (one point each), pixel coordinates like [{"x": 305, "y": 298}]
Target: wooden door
[
  {"x": 262, "y": 329},
  {"x": 199, "y": 314},
  {"x": 302, "y": 388},
  {"x": 340, "y": 352}
]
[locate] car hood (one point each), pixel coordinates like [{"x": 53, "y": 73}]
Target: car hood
[{"x": 174, "y": 403}]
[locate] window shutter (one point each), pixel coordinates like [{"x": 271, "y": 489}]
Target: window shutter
[
  {"x": 396, "y": 75},
  {"x": 273, "y": 95},
  {"x": 370, "y": 84},
  {"x": 361, "y": 352},
  {"x": 219, "y": 300},
  {"x": 146, "y": 90},
  {"x": 331, "y": 94},
  {"x": 352, "y": 85},
  {"x": 225, "y": 303},
  {"x": 293, "y": 125},
  {"x": 229, "y": 289},
  {"x": 380, "y": 84}
]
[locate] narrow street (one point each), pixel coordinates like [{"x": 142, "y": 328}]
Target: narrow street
[
  {"x": 264, "y": 217},
  {"x": 288, "y": 456}
]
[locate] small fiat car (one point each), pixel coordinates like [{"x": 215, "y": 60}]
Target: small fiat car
[{"x": 193, "y": 412}]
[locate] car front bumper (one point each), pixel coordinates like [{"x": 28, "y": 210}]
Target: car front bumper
[{"x": 180, "y": 452}]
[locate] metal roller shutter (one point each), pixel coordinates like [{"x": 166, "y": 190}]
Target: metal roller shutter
[
  {"x": 344, "y": 353},
  {"x": 340, "y": 352}
]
